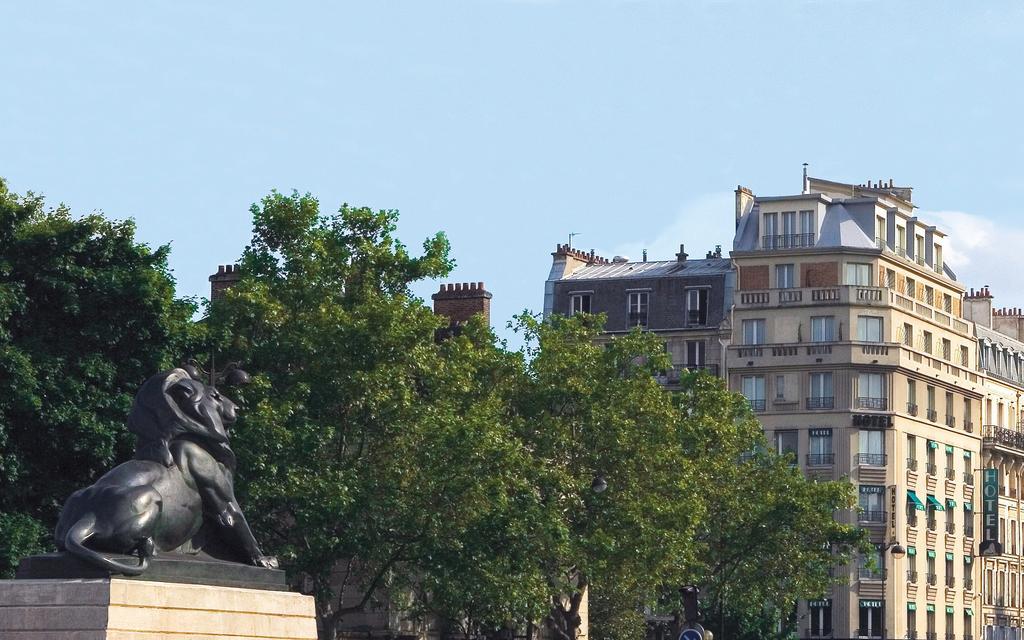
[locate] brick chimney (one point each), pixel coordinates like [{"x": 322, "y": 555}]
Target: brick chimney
[
  {"x": 461, "y": 301},
  {"x": 227, "y": 275}
]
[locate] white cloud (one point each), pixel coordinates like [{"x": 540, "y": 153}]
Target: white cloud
[
  {"x": 982, "y": 252},
  {"x": 700, "y": 224}
]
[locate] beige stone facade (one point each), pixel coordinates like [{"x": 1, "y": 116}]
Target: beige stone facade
[{"x": 850, "y": 343}]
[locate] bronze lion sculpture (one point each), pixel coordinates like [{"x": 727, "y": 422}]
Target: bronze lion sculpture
[{"x": 177, "y": 494}]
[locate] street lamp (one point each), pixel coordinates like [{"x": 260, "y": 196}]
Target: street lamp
[
  {"x": 897, "y": 551},
  {"x": 598, "y": 484}
]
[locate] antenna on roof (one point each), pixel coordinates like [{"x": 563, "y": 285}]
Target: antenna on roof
[
  {"x": 807, "y": 183},
  {"x": 571, "y": 236}
]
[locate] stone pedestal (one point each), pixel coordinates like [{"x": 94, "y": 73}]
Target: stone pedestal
[{"x": 118, "y": 609}]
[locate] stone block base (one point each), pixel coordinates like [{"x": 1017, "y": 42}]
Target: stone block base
[{"x": 116, "y": 609}]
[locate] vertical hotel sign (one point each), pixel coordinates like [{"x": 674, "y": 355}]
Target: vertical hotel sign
[{"x": 990, "y": 545}]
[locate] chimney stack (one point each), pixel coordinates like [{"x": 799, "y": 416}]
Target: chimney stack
[
  {"x": 682, "y": 255},
  {"x": 744, "y": 202},
  {"x": 461, "y": 301},
  {"x": 226, "y": 277}
]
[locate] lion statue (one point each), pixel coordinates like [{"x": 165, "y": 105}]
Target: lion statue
[{"x": 177, "y": 494}]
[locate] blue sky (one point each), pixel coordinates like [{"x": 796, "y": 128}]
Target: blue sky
[{"x": 509, "y": 124}]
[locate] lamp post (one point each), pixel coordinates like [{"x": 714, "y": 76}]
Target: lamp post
[{"x": 897, "y": 551}]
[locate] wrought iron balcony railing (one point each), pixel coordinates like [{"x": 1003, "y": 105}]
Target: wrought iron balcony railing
[
  {"x": 820, "y": 459},
  {"x": 870, "y": 459}
]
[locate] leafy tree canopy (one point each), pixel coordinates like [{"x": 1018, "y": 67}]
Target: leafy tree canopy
[{"x": 86, "y": 314}]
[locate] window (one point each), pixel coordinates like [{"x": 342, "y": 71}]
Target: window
[
  {"x": 912, "y": 448},
  {"x": 949, "y": 409},
  {"x": 821, "y": 391},
  {"x": 821, "y": 616},
  {"x": 696, "y": 307},
  {"x": 638, "y": 308},
  {"x": 871, "y": 391},
  {"x": 807, "y": 228},
  {"x": 695, "y": 353},
  {"x": 912, "y": 397},
  {"x": 880, "y": 232},
  {"x": 919, "y": 249},
  {"x": 949, "y": 583},
  {"x": 869, "y": 329},
  {"x": 822, "y": 328},
  {"x": 890, "y": 278},
  {"x": 937, "y": 257},
  {"x": 930, "y": 397},
  {"x": 947, "y": 349},
  {"x": 967, "y": 413},
  {"x": 871, "y": 619},
  {"x": 753, "y": 390},
  {"x": 858, "y": 273},
  {"x": 911, "y": 289},
  {"x": 789, "y": 224},
  {"x": 908, "y": 334},
  {"x": 786, "y": 442},
  {"x": 771, "y": 230},
  {"x": 784, "y": 278},
  {"x": 580, "y": 303},
  {"x": 753, "y": 331},
  {"x": 912, "y": 620},
  {"x": 901, "y": 241},
  {"x": 947, "y": 303},
  {"x": 928, "y": 341},
  {"x": 872, "y": 448},
  {"x": 871, "y": 504},
  {"x": 820, "y": 447},
  {"x": 780, "y": 387}
]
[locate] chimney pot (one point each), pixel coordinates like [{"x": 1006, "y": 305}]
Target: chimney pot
[{"x": 480, "y": 285}]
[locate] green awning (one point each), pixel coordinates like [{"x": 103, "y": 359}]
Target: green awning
[
  {"x": 949, "y": 448},
  {"x": 949, "y": 609},
  {"x": 930, "y": 607},
  {"x": 933, "y": 445},
  {"x": 911, "y": 606},
  {"x": 935, "y": 504},
  {"x": 949, "y": 556},
  {"x": 968, "y": 560},
  {"x": 951, "y": 503},
  {"x": 931, "y": 553},
  {"x": 911, "y": 551},
  {"x": 969, "y": 611},
  {"x": 912, "y": 497},
  {"x": 967, "y": 454},
  {"x": 968, "y": 506}
]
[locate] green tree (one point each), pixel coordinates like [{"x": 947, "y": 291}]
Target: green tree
[
  {"x": 771, "y": 536},
  {"x": 374, "y": 459},
  {"x": 590, "y": 407},
  {"x": 86, "y": 314}
]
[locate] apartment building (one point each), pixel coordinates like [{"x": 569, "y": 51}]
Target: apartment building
[
  {"x": 849, "y": 343},
  {"x": 684, "y": 300},
  {"x": 1000, "y": 336}
]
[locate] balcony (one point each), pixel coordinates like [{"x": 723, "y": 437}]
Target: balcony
[
  {"x": 912, "y": 518},
  {"x": 950, "y": 582},
  {"x": 933, "y": 415},
  {"x": 969, "y": 478},
  {"x": 931, "y": 579},
  {"x": 968, "y": 584},
  {"x": 817, "y": 633},
  {"x": 756, "y": 405},
  {"x": 787, "y": 241},
  {"x": 993, "y": 435},
  {"x": 911, "y": 409},
  {"x": 821, "y": 402},
  {"x": 820, "y": 459},
  {"x": 868, "y": 633},
  {"x": 874, "y": 404},
  {"x": 950, "y": 420},
  {"x": 931, "y": 469},
  {"x": 870, "y": 460},
  {"x": 969, "y": 530},
  {"x": 912, "y": 464},
  {"x": 951, "y": 527},
  {"x": 968, "y": 426},
  {"x": 873, "y": 517},
  {"x": 950, "y": 474},
  {"x": 911, "y": 634},
  {"x": 932, "y": 525},
  {"x": 867, "y": 573},
  {"x": 672, "y": 376},
  {"x": 835, "y": 295},
  {"x": 931, "y": 635},
  {"x": 911, "y": 576}
]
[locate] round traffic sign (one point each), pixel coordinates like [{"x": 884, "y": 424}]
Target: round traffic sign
[{"x": 691, "y": 634}]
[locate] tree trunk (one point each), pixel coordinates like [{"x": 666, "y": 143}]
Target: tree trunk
[{"x": 565, "y": 619}]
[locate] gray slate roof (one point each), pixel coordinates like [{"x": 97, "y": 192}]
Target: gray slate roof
[{"x": 657, "y": 269}]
